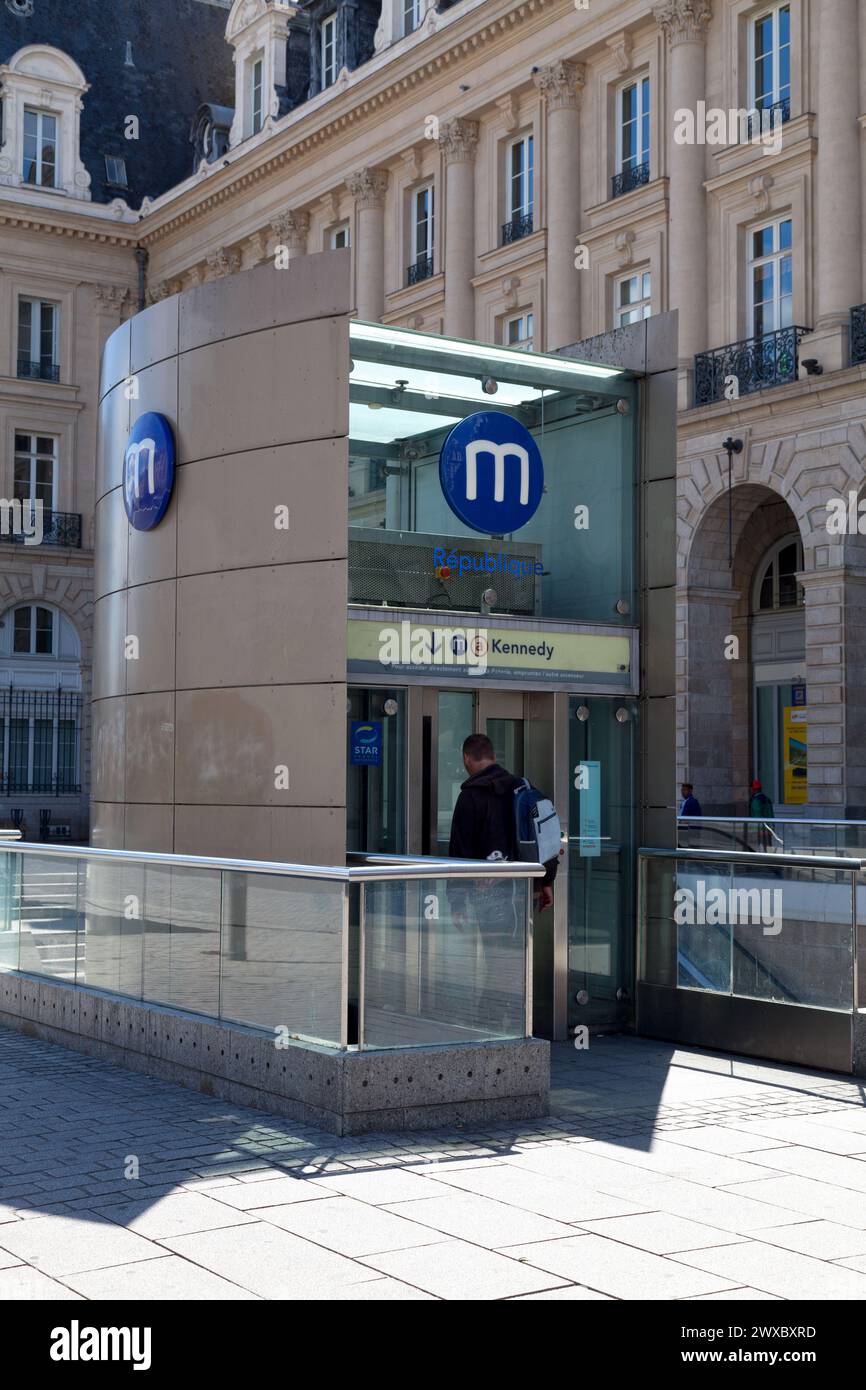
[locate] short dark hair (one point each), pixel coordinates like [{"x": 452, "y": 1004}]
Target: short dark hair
[
  {"x": 479, "y": 748},
  {"x": 687, "y": 784}
]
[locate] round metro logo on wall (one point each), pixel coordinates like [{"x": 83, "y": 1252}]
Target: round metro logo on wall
[
  {"x": 491, "y": 473},
  {"x": 148, "y": 471}
]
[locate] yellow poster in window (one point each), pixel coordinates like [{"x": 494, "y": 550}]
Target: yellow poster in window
[{"x": 795, "y": 734}]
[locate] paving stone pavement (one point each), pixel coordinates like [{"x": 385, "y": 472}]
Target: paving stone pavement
[{"x": 662, "y": 1173}]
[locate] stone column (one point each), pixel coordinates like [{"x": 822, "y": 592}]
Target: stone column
[
  {"x": 685, "y": 25},
  {"x": 458, "y": 141},
  {"x": 291, "y": 230},
  {"x": 368, "y": 188},
  {"x": 561, "y": 86},
  {"x": 837, "y": 188}
]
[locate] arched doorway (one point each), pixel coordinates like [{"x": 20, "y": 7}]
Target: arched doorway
[{"x": 730, "y": 637}]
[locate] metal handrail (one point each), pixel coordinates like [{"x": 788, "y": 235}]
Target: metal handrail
[
  {"x": 768, "y": 820},
  {"x": 392, "y": 867},
  {"x": 773, "y": 860}
]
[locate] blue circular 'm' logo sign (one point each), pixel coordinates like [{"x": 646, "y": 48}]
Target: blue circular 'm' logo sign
[
  {"x": 491, "y": 473},
  {"x": 148, "y": 471}
]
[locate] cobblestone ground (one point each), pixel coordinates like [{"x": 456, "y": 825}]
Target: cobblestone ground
[{"x": 662, "y": 1172}]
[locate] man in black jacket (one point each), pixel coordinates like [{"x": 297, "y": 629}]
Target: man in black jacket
[{"x": 483, "y": 826}]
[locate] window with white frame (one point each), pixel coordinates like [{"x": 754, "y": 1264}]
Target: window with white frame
[
  {"x": 520, "y": 183},
  {"x": 632, "y": 298},
  {"x": 770, "y": 59},
  {"x": 40, "y": 149},
  {"x": 338, "y": 237},
  {"x": 329, "y": 50},
  {"x": 411, "y": 15},
  {"x": 771, "y": 290},
  {"x": 35, "y": 469},
  {"x": 39, "y": 339},
  {"x": 422, "y": 226},
  {"x": 633, "y": 126},
  {"x": 776, "y": 583},
  {"x": 256, "y": 95},
  {"x": 517, "y": 332}
]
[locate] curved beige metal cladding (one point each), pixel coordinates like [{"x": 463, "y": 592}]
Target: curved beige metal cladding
[{"x": 220, "y": 635}]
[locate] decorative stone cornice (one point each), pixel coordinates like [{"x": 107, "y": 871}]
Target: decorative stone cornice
[
  {"x": 222, "y": 262},
  {"x": 368, "y": 187},
  {"x": 458, "y": 140},
  {"x": 111, "y": 297},
  {"x": 561, "y": 85},
  {"x": 684, "y": 21},
  {"x": 292, "y": 229}
]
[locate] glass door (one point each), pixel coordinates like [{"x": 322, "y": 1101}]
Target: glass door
[{"x": 602, "y": 743}]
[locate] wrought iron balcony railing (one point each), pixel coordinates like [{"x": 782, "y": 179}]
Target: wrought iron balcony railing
[
  {"x": 58, "y": 528},
  {"x": 766, "y": 116},
  {"x": 858, "y": 335},
  {"x": 517, "y": 227},
  {"x": 752, "y": 365},
  {"x": 627, "y": 179},
  {"x": 421, "y": 269},
  {"x": 38, "y": 371},
  {"x": 29, "y": 786}
]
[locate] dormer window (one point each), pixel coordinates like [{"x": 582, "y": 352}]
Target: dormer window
[
  {"x": 40, "y": 149},
  {"x": 329, "y": 51},
  {"x": 42, "y": 91},
  {"x": 411, "y": 15},
  {"x": 256, "y": 97}
]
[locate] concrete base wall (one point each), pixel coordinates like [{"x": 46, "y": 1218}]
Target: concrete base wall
[{"x": 343, "y": 1093}]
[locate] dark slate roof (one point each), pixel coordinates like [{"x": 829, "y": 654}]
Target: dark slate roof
[{"x": 181, "y": 60}]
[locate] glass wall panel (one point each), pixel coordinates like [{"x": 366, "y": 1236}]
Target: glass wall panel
[{"x": 573, "y": 557}]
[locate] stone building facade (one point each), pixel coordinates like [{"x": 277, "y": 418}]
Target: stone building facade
[{"x": 534, "y": 173}]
